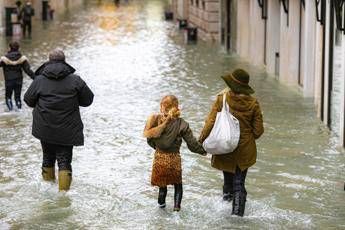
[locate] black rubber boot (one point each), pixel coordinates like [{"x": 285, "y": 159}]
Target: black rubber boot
[
  {"x": 161, "y": 196},
  {"x": 239, "y": 203},
  {"x": 9, "y": 104},
  {"x": 178, "y": 197},
  {"x": 228, "y": 193},
  {"x": 19, "y": 104},
  {"x": 228, "y": 188}
]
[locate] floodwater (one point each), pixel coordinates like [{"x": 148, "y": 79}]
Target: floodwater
[{"x": 131, "y": 57}]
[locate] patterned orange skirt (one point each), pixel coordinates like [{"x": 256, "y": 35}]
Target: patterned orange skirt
[{"x": 166, "y": 169}]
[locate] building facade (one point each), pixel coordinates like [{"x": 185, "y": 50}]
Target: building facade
[
  {"x": 300, "y": 42},
  {"x": 333, "y": 72},
  {"x": 180, "y": 9},
  {"x": 203, "y": 14}
]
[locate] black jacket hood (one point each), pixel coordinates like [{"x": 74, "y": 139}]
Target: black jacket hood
[
  {"x": 13, "y": 55},
  {"x": 55, "y": 70}
]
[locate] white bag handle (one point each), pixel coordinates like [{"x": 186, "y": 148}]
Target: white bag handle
[
  {"x": 225, "y": 105},
  {"x": 225, "y": 134}
]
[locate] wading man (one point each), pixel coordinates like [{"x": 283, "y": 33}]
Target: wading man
[
  {"x": 13, "y": 64},
  {"x": 26, "y": 14},
  {"x": 56, "y": 94}
]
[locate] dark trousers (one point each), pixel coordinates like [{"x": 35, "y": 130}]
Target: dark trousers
[
  {"x": 240, "y": 180},
  {"x": 178, "y": 194},
  {"x": 27, "y": 25},
  {"x": 240, "y": 193},
  {"x": 16, "y": 87},
  {"x": 228, "y": 182},
  {"x": 235, "y": 182},
  {"x": 60, "y": 153}
]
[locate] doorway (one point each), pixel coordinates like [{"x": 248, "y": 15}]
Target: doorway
[{"x": 228, "y": 25}]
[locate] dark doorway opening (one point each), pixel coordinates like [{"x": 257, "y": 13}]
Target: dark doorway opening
[
  {"x": 228, "y": 25},
  {"x": 330, "y": 64}
]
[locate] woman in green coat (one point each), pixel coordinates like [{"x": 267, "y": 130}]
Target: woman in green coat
[{"x": 235, "y": 165}]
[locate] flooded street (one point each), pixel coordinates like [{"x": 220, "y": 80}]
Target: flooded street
[{"x": 130, "y": 57}]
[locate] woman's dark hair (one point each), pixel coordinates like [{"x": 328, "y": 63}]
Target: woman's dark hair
[{"x": 14, "y": 46}]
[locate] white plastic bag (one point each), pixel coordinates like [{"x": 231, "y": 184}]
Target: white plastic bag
[{"x": 225, "y": 134}]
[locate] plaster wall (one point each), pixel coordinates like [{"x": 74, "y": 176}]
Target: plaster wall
[
  {"x": 182, "y": 9},
  {"x": 310, "y": 45},
  {"x": 256, "y": 34},
  {"x": 289, "y": 44},
  {"x": 273, "y": 34},
  {"x": 243, "y": 31},
  {"x": 318, "y": 67},
  {"x": 2, "y": 16}
]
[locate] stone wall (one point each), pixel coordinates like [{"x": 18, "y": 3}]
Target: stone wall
[
  {"x": 180, "y": 9},
  {"x": 205, "y": 15}
]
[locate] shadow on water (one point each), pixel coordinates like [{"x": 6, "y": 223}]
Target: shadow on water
[{"x": 130, "y": 58}]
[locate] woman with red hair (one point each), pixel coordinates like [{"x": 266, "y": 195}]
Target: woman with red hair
[{"x": 164, "y": 133}]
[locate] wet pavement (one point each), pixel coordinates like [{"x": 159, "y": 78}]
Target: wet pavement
[{"x": 130, "y": 58}]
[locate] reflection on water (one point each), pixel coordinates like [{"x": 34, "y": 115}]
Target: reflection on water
[{"x": 131, "y": 58}]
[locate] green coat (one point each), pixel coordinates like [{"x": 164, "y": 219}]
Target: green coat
[
  {"x": 247, "y": 110},
  {"x": 167, "y": 137}
]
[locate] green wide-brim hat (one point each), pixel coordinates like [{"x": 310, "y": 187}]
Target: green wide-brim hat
[{"x": 238, "y": 82}]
